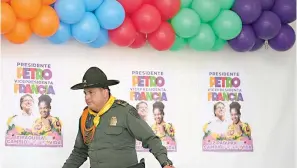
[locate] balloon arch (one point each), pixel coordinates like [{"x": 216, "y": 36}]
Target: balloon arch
[{"x": 203, "y": 25}]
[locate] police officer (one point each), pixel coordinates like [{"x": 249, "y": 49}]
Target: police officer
[{"x": 108, "y": 128}]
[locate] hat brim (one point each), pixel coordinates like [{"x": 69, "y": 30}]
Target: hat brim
[{"x": 95, "y": 85}]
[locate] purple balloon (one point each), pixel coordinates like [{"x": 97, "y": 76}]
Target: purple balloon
[
  {"x": 245, "y": 40},
  {"x": 267, "y": 26},
  {"x": 284, "y": 40},
  {"x": 267, "y": 4},
  {"x": 285, "y": 9},
  {"x": 248, "y": 10},
  {"x": 258, "y": 44}
]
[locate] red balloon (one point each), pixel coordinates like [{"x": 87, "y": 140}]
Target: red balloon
[
  {"x": 167, "y": 8},
  {"x": 163, "y": 38},
  {"x": 139, "y": 40},
  {"x": 131, "y": 6},
  {"x": 124, "y": 35},
  {"x": 148, "y": 2},
  {"x": 146, "y": 19}
]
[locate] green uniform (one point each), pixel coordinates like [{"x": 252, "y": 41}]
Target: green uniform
[{"x": 114, "y": 141}]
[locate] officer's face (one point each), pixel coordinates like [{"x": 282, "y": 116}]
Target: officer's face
[{"x": 96, "y": 98}]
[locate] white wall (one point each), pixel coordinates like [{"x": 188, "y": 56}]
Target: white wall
[{"x": 268, "y": 87}]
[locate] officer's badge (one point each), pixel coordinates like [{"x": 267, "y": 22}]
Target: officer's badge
[{"x": 113, "y": 121}]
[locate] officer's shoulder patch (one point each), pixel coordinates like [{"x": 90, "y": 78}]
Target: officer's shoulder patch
[
  {"x": 134, "y": 112},
  {"x": 121, "y": 102}
]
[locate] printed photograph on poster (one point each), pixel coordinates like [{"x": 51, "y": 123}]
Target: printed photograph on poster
[
  {"x": 148, "y": 94},
  {"x": 32, "y": 124},
  {"x": 226, "y": 130}
]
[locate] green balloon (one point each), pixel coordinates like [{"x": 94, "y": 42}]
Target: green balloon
[
  {"x": 185, "y": 3},
  {"x": 179, "y": 43},
  {"x": 219, "y": 44},
  {"x": 226, "y": 4},
  {"x": 227, "y": 25},
  {"x": 186, "y": 23},
  {"x": 204, "y": 40},
  {"x": 206, "y": 9}
]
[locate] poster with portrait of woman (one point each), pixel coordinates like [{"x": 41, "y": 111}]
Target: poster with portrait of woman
[
  {"x": 148, "y": 94},
  {"x": 226, "y": 130},
  {"x": 31, "y": 123}
]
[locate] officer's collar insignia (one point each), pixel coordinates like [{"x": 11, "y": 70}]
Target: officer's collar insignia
[{"x": 113, "y": 121}]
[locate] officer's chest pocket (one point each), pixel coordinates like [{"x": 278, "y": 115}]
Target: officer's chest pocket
[{"x": 114, "y": 130}]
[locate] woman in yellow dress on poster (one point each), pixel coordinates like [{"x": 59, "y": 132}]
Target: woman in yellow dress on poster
[
  {"x": 238, "y": 130},
  {"x": 46, "y": 124},
  {"x": 165, "y": 131}
]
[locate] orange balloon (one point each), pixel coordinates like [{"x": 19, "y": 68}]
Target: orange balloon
[
  {"x": 26, "y": 9},
  {"x": 20, "y": 33},
  {"x": 46, "y": 23},
  {"x": 48, "y": 2},
  {"x": 8, "y": 18}
]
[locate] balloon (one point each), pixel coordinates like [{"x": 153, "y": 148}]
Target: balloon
[
  {"x": 101, "y": 40},
  {"x": 139, "y": 41},
  {"x": 146, "y": 2},
  {"x": 204, "y": 40},
  {"x": 267, "y": 26},
  {"x": 20, "y": 33},
  {"x": 258, "y": 44},
  {"x": 62, "y": 35},
  {"x": 26, "y": 9},
  {"x": 163, "y": 38},
  {"x": 245, "y": 40},
  {"x": 186, "y": 3},
  {"x": 110, "y": 14},
  {"x": 131, "y": 6},
  {"x": 267, "y": 4},
  {"x": 226, "y": 4},
  {"x": 87, "y": 29},
  {"x": 285, "y": 9},
  {"x": 248, "y": 10},
  {"x": 206, "y": 9},
  {"x": 5, "y": 1},
  {"x": 46, "y": 23},
  {"x": 146, "y": 19},
  {"x": 70, "y": 11},
  {"x": 178, "y": 44},
  {"x": 8, "y": 18},
  {"x": 48, "y": 2},
  {"x": 284, "y": 40},
  {"x": 186, "y": 23},
  {"x": 167, "y": 8},
  {"x": 91, "y": 5},
  {"x": 124, "y": 35},
  {"x": 227, "y": 25},
  {"x": 219, "y": 44}
]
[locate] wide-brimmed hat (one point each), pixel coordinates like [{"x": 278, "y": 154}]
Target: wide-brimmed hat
[{"x": 93, "y": 78}]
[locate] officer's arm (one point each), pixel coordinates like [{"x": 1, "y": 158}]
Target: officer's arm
[
  {"x": 143, "y": 132},
  {"x": 79, "y": 153}
]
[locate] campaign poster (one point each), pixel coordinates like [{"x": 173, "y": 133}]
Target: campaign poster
[
  {"x": 227, "y": 130},
  {"x": 149, "y": 95},
  {"x": 31, "y": 122}
]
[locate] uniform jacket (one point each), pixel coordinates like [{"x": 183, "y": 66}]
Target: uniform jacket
[{"x": 114, "y": 141}]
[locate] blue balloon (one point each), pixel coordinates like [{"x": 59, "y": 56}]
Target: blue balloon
[
  {"x": 70, "y": 11},
  {"x": 110, "y": 14},
  {"x": 87, "y": 29},
  {"x": 91, "y": 5},
  {"x": 101, "y": 41},
  {"x": 62, "y": 35}
]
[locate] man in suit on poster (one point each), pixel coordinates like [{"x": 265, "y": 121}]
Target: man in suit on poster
[{"x": 108, "y": 128}]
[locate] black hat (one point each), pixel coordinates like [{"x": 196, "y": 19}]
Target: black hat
[{"x": 93, "y": 78}]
